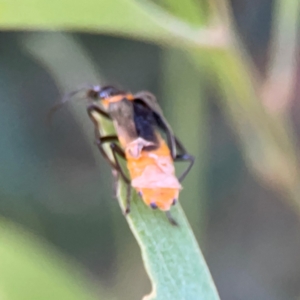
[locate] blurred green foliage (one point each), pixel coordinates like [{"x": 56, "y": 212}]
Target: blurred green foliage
[
  {"x": 49, "y": 181},
  {"x": 31, "y": 270}
]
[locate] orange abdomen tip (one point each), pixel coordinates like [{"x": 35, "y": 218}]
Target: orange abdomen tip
[
  {"x": 162, "y": 198},
  {"x": 153, "y": 176}
]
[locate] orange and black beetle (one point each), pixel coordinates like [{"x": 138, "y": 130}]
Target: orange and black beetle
[{"x": 138, "y": 121}]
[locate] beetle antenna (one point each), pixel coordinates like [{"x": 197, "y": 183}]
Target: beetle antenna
[{"x": 66, "y": 98}]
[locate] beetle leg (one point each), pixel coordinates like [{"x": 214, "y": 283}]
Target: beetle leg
[
  {"x": 105, "y": 139},
  {"x": 99, "y": 139},
  {"x": 174, "y": 144},
  {"x": 128, "y": 198},
  {"x": 170, "y": 218},
  {"x": 184, "y": 156},
  {"x": 96, "y": 108},
  {"x": 117, "y": 150}
]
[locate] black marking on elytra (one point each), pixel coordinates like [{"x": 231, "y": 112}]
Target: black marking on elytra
[{"x": 145, "y": 124}]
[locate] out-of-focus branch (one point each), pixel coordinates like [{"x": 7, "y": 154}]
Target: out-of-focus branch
[
  {"x": 266, "y": 138},
  {"x": 277, "y": 91}
]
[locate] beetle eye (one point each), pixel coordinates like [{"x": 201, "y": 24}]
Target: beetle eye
[
  {"x": 108, "y": 91},
  {"x": 93, "y": 94}
]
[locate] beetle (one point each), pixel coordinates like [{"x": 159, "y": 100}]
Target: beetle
[{"x": 139, "y": 122}]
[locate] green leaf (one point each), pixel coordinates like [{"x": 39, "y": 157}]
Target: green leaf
[
  {"x": 172, "y": 257},
  {"x": 266, "y": 140},
  {"x": 188, "y": 10},
  {"x": 30, "y": 269},
  {"x": 171, "y": 254},
  {"x": 118, "y": 17}
]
